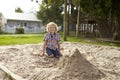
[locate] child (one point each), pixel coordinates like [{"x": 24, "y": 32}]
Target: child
[{"x": 51, "y": 41}]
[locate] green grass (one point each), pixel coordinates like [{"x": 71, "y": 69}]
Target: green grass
[
  {"x": 20, "y": 39},
  {"x": 38, "y": 38},
  {"x": 92, "y": 41}
]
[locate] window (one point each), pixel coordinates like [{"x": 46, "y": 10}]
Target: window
[{"x": 25, "y": 24}]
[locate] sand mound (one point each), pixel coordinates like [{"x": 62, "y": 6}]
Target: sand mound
[{"x": 76, "y": 67}]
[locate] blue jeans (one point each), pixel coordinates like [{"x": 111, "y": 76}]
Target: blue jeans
[{"x": 55, "y": 52}]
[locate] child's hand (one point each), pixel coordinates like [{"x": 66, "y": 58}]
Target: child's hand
[
  {"x": 42, "y": 54},
  {"x": 61, "y": 54}
]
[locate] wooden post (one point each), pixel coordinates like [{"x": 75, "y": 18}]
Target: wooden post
[{"x": 8, "y": 74}]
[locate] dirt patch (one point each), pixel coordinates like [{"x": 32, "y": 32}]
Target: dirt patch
[{"x": 79, "y": 62}]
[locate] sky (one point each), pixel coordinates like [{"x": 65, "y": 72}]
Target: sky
[{"x": 8, "y": 6}]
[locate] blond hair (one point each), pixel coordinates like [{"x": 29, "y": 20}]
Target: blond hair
[{"x": 52, "y": 24}]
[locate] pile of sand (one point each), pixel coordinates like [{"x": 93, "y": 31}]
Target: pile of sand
[
  {"x": 76, "y": 67},
  {"x": 71, "y": 67}
]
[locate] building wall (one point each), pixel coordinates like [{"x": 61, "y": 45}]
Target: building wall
[
  {"x": 29, "y": 26},
  {"x": 0, "y": 23}
]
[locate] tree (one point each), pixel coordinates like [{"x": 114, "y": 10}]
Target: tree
[
  {"x": 97, "y": 9},
  {"x": 50, "y": 10},
  {"x": 107, "y": 15},
  {"x": 19, "y": 10}
]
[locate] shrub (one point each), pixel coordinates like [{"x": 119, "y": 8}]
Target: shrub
[
  {"x": 1, "y": 32},
  {"x": 19, "y": 30}
]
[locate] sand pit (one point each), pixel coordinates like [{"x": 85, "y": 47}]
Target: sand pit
[{"x": 79, "y": 62}]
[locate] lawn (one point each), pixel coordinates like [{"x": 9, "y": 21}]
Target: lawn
[
  {"x": 92, "y": 41},
  {"x": 38, "y": 38},
  {"x": 20, "y": 39}
]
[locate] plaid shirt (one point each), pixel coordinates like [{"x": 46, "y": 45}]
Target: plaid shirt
[{"x": 51, "y": 40}]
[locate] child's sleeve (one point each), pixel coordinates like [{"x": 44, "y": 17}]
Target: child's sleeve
[
  {"x": 58, "y": 38},
  {"x": 45, "y": 38}
]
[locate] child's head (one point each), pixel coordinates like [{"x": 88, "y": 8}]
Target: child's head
[{"x": 52, "y": 27}]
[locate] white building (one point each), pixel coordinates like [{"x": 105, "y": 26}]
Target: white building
[{"x": 29, "y": 22}]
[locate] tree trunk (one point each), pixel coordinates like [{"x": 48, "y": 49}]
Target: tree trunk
[
  {"x": 68, "y": 19},
  {"x": 78, "y": 22},
  {"x": 104, "y": 29},
  {"x": 116, "y": 33},
  {"x": 65, "y": 21}
]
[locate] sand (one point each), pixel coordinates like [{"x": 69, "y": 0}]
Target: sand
[{"x": 79, "y": 62}]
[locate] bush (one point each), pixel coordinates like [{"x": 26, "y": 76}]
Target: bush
[
  {"x": 1, "y": 32},
  {"x": 0, "y": 29},
  {"x": 19, "y": 30}
]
